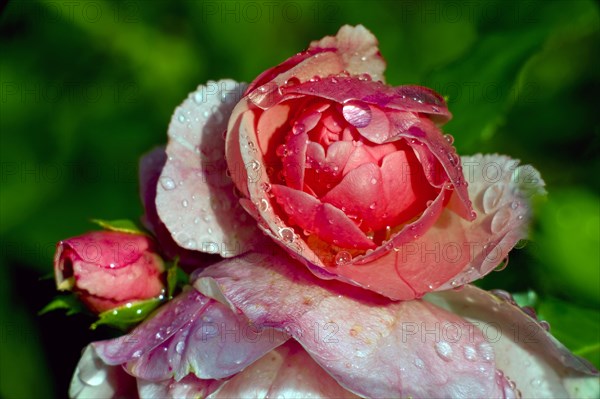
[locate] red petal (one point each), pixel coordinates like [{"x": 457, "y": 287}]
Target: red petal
[{"x": 325, "y": 221}]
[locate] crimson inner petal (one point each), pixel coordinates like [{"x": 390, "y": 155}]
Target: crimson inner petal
[{"x": 319, "y": 139}]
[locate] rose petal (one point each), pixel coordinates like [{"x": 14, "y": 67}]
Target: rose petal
[
  {"x": 285, "y": 372},
  {"x": 253, "y": 180},
  {"x": 354, "y": 50},
  {"x": 427, "y": 133},
  {"x": 95, "y": 379},
  {"x": 529, "y": 356},
  {"x": 295, "y": 162},
  {"x": 372, "y": 346},
  {"x": 194, "y": 197},
  {"x": 150, "y": 168},
  {"x": 454, "y": 251},
  {"x": 382, "y": 270},
  {"x": 324, "y": 220},
  {"x": 343, "y": 89},
  {"x": 188, "y": 387},
  {"x": 154, "y": 331},
  {"x": 358, "y": 49},
  {"x": 502, "y": 192},
  {"x": 189, "y": 335}
]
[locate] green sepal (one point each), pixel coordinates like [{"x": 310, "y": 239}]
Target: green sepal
[
  {"x": 527, "y": 298},
  {"x": 176, "y": 278},
  {"x": 128, "y": 315},
  {"x": 70, "y": 302},
  {"x": 121, "y": 225}
]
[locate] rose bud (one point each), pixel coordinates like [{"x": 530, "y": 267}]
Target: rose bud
[
  {"x": 107, "y": 269},
  {"x": 352, "y": 177}
]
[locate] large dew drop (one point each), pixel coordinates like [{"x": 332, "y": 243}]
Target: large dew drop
[{"x": 357, "y": 113}]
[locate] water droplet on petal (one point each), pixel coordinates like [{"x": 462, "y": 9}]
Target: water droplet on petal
[
  {"x": 514, "y": 205},
  {"x": 448, "y": 137},
  {"x": 342, "y": 257},
  {"x": 444, "y": 350},
  {"x": 502, "y": 265},
  {"x": 287, "y": 234},
  {"x": 185, "y": 203},
  {"x": 357, "y": 113},
  {"x": 264, "y": 205},
  {"x": 298, "y": 128},
  {"x": 372, "y": 206},
  {"x": 180, "y": 347},
  {"x": 167, "y": 183},
  {"x": 373, "y": 181},
  {"x": 190, "y": 244},
  {"x": 419, "y": 363},
  {"x": 470, "y": 353},
  {"x": 486, "y": 351},
  {"x": 199, "y": 96},
  {"x": 181, "y": 118}
]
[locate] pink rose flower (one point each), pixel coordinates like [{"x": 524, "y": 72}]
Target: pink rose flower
[
  {"x": 259, "y": 326},
  {"x": 107, "y": 269},
  {"x": 352, "y": 177}
]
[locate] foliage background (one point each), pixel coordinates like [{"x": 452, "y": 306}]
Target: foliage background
[{"x": 89, "y": 86}]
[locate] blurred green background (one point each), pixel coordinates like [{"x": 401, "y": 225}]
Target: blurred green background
[{"x": 89, "y": 86}]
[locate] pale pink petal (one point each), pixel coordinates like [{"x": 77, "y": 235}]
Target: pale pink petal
[
  {"x": 191, "y": 334},
  {"x": 322, "y": 219},
  {"x": 502, "y": 192},
  {"x": 188, "y": 387},
  {"x": 371, "y": 346},
  {"x": 358, "y": 49},
  {"x": 150, "y": 168},
  {"x": 95, "y": 379},
  {"x": 528, "y": 355},
  {"x": 286, "y": 372},
  {"x": 353, "y": 50},
  {"x": 195, "y": 198}
]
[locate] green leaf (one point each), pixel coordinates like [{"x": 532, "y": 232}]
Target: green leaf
[
  {"x": 122, "y": 225},
  {"x": 128, "y": 315},
  {"x": 69, "y": 302},
  {"x": 577, "y": 327},
  {"x": 568, "y": 245}
]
